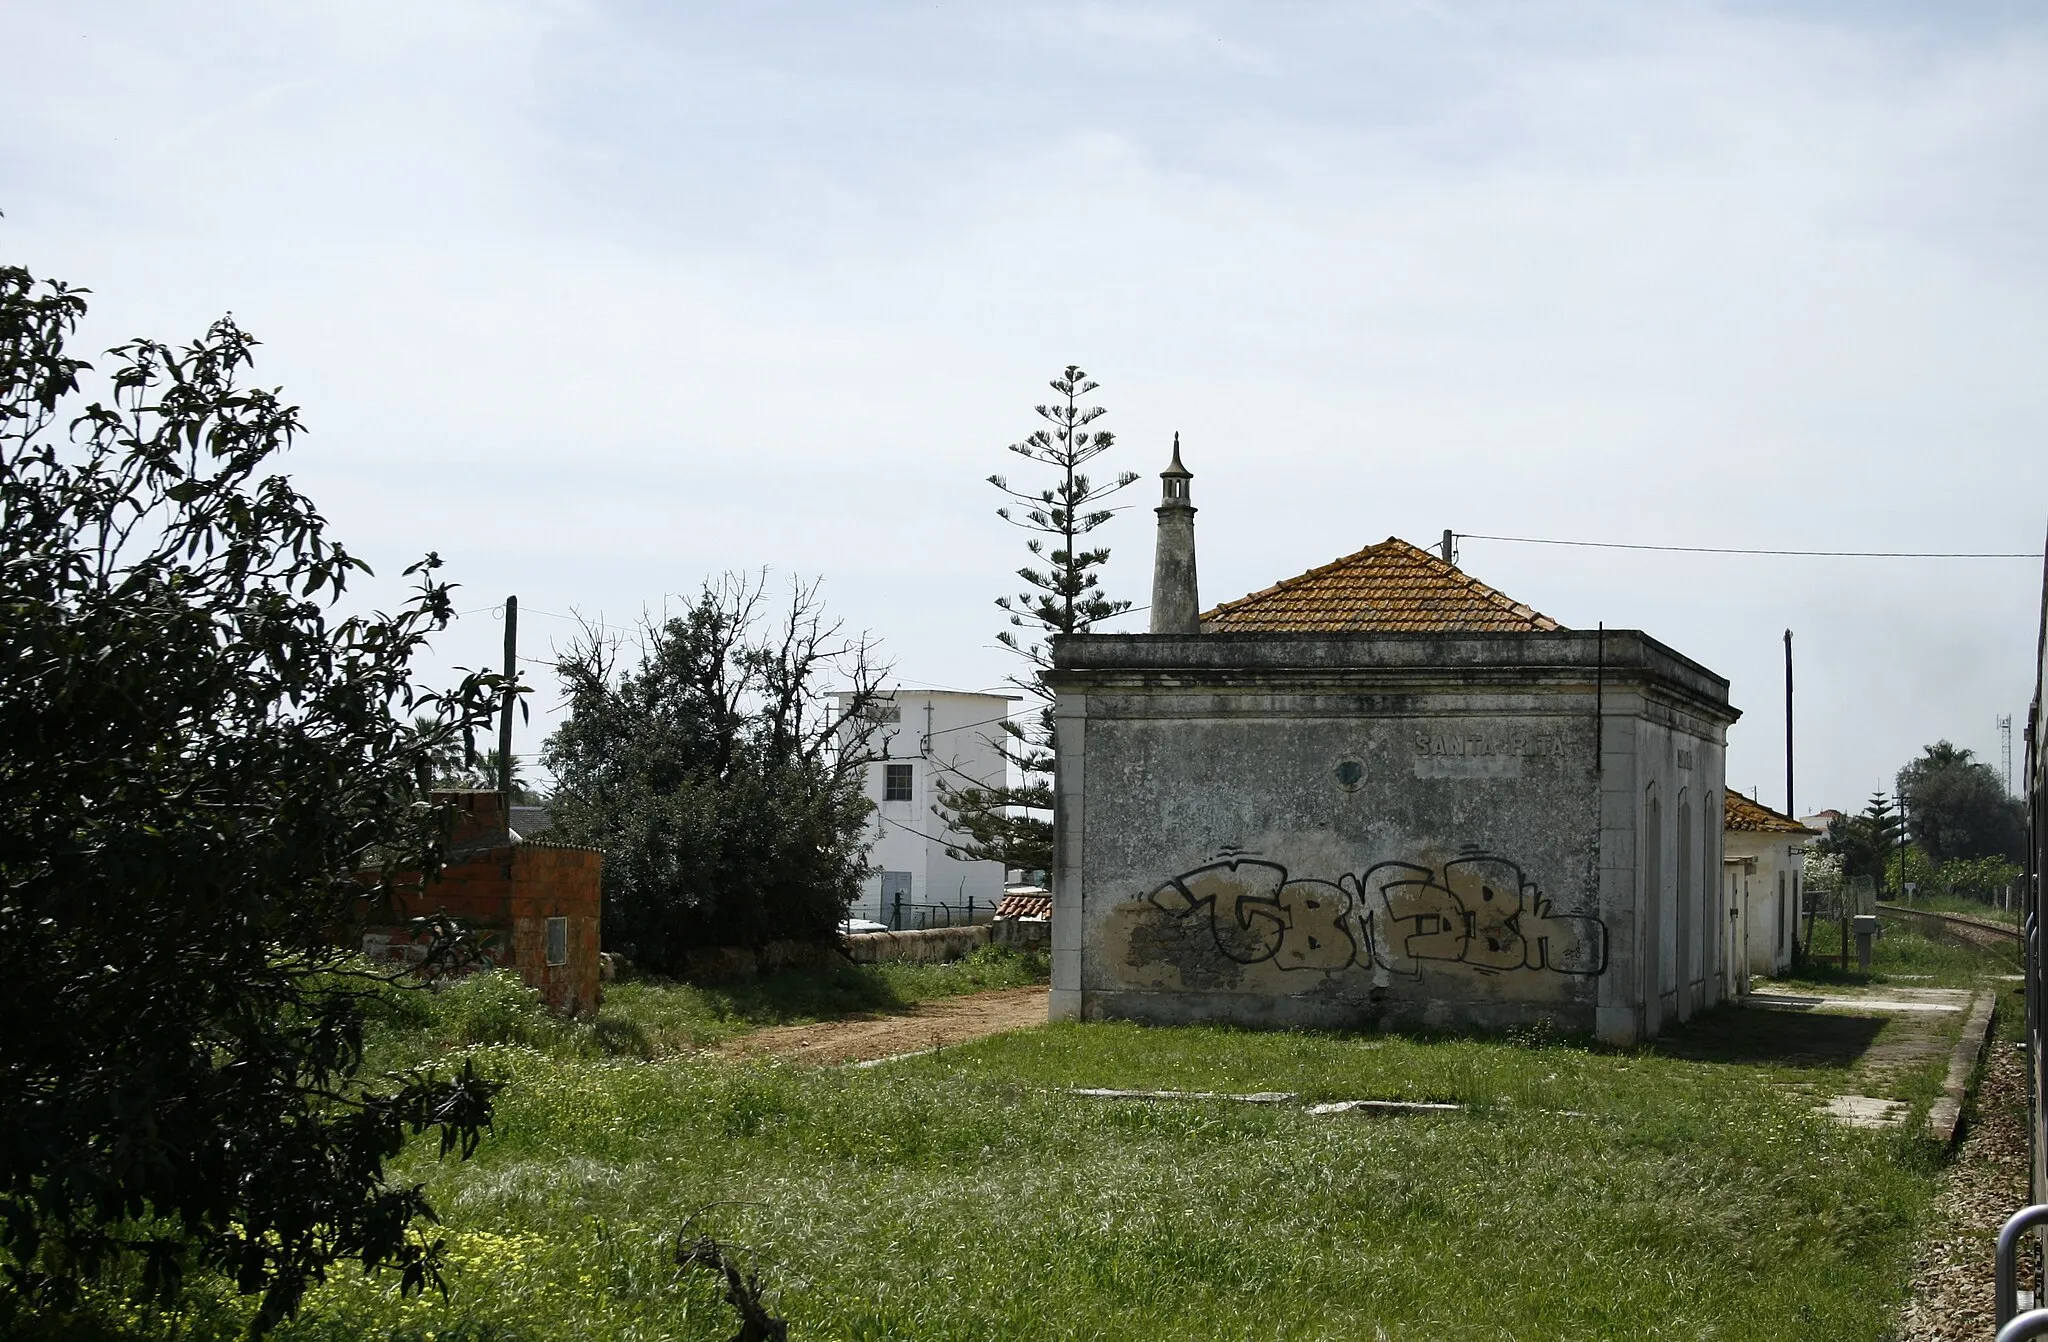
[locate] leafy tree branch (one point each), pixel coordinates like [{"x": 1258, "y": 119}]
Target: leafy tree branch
[{"x": 203, "y": 778}]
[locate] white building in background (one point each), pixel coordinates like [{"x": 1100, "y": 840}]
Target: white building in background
[
  {"x": 928, "y": 740},
  {"x": 1764, "y": 864}
]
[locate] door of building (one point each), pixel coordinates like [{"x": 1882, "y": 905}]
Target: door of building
[
  {"x": 1732, "y": 977},
  {"x": 895, "y": 898}
]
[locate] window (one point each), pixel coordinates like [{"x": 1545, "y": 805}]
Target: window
[
  {"x": 882, "y": 711},
  {"x": 897, "y": 785},
  {"x": 558, "y": 941}
]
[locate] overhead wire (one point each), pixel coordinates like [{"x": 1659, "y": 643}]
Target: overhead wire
[
  {"x": 499, "y": 607},
  {"x": 908, "y": 829},
  {"x": 1007, "y": 717},
  {"x": 1733, "y": 550}
]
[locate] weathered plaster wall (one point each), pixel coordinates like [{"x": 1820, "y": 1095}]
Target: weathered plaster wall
[
  {"x": 1661, "y": 859},
  {"x": 928, "y": 946},
  {"x": 1415, "y": 829}
]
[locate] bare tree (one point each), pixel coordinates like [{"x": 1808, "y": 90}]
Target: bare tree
[{"x": 721, "y": 774}]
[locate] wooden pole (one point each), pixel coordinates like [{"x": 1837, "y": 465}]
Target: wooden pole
[
  {"x": 505, "y": 707},
  {"x": 1791, "y": 802},
  {"x": 1791, "y": 798}
]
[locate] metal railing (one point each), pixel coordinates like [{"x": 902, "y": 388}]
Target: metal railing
[
  {"x": 903, "y": 915},
  {"x": 2005, "y": 1266}
]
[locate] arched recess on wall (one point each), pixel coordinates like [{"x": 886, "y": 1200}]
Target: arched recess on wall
[
  {"x": 1710, "y": 886},
  {"x": 1711, "y": 839},
  {"x": 1652, "y": 905},
  {"x": 1687, "y": 864}
]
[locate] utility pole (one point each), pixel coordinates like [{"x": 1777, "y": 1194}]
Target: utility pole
[
  {"x": 1791, "y": 804},
  {"x": 1450, "y": 547},
  {"x": 505, "y": 707}
]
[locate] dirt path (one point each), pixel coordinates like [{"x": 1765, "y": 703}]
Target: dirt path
[{"x": 936, "y": 1024}]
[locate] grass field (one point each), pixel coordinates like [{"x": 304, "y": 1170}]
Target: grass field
[
  {"x": 1681, "y": 1190},
  {"x": 1969, "y": 908},
  {"x": 1964, "y": 905},
  {"x": 1904, "y": 957}
]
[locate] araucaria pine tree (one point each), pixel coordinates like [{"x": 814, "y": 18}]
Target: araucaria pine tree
[{"x": 1013, "y": 824}]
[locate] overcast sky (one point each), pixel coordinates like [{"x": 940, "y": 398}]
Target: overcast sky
[{"x": 598, "y": 299}]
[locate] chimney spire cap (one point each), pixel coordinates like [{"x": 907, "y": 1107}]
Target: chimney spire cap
[{"x": 1176, "y": 468}]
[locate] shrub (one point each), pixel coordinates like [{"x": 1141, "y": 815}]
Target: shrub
[{"x": 723, "y": 785}]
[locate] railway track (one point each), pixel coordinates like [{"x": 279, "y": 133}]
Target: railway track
[{"x": 1977, "y": 931}]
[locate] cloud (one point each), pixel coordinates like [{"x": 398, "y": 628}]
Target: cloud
[{"x": 598, "y": 298}]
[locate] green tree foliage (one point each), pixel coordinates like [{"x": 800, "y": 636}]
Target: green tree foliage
[
  {"x": 1957, "y": 807},
  {"x": 481, "y": 772},
  {"x": 1866, "y": 843},
  {"x": 1013, "y": 825},
  {"x": 201, "y": 779},
  {"x": 1984, "y": 878},
  {"x": 722, "y": 783},
  {"x": 458, "y": 764}
]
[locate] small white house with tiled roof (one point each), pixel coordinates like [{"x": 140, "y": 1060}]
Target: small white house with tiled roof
[
  {"x": 1764, "y": 865},
  {"x": 1382, "y": 793}
]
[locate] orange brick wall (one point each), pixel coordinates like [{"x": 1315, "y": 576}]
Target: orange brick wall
[{"x": 511, "y": 891}]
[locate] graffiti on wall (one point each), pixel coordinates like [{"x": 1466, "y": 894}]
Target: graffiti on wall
[{"x": 1475, "y": 910}]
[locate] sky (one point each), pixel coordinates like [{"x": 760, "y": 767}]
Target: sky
[{"x": 600, "y": 300}]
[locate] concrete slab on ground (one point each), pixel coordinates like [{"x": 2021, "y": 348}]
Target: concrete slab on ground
[
  {"x": 1256, "y": 1097},
  {"x": 1945, "y": 1115},
  {"x": 1865, "y": 1111},
  {"x": 1924, "y": 999},
  {"x": 1864, "y": 1045}
]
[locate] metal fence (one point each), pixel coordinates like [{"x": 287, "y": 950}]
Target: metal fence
[{"x": 903, "y": 915}]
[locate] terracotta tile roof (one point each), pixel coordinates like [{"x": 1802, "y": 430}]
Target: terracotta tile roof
[
  {"x": 1018, "y": 904},
  {"x": 1384, "y": 588},
  {"x": 1739, "y": 812}
]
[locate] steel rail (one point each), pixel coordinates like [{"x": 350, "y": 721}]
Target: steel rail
[{"x": 2004, "y": 930}]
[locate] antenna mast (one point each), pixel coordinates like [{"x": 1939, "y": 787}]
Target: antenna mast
[{"x": 2005, "y": 748}]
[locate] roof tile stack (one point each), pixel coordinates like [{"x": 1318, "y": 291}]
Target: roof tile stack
[
  {"x": 1025, "y": 904},
  {"x": 1392, "y": 587},
  {"x": 1739, "y": 812}
]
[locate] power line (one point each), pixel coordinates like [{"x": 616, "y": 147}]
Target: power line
[
  {"x": 928, "y": 838},
  {"x": 941, "y": 731},
  {"x": 578, "y": 619},
  {"x": 553, "y": 615},
  {"x": 1729, "y": 550},
  {"x": 958, "y": 772}
]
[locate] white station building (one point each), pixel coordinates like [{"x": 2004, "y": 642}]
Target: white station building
[
  {"x": 1764, "y": 866},
  {"x": 929, "y": 740}
]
